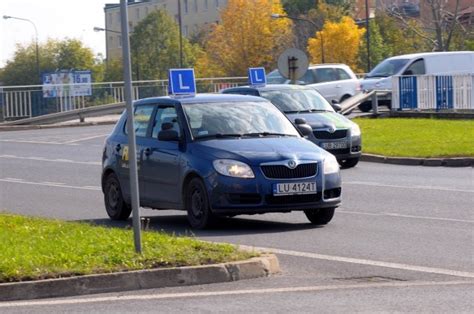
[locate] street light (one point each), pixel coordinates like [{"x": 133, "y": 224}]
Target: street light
[
  {"x": 101, "y": 29},
  {"x": 6, "y": 17},
  {"x": 282, "y": 16}
]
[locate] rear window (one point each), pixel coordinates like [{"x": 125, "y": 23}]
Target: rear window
[{"x": 141, "y": 119}]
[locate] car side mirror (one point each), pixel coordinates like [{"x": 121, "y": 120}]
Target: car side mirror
[
  {"x": 299, "y": 121},
  {"x": 305, "y": 129},
  {"x": 168, "y": 135},
  {"x": 408, "y": 72},
  {"x": 335, "y": 105}
]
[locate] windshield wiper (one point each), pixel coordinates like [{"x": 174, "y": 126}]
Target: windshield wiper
[
  {"x": 379, "y": 75},
  {"x": 306, "y": 111},
  {"x": 218, "y": 135},
  {"x": 262, "y": 134}
]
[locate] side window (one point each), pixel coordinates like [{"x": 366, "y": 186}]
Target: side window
[
  {"x": 307, "y": 78},
  {"x": 343, "y": 74},
  {"x": 165, "y": 114},
  {"x": 141, "y": 119},
  {"x": 325, "y": 75},
  {"x": 416, "y": 68}
]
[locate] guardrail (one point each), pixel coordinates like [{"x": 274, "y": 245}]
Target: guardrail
[
  {"x": 20, "y": 102},
  {"x": 433, "y": 92}
]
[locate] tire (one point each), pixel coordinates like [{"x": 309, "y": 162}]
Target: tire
[
  {"x": 320, "y": 216},
  {"x": 348, "y": 163},
  {"x": 115, "y": 205},
  {"x": 344, "y": 98},
  {"x": 197, "y": 205},
  {"x": 365, "y": 106}
]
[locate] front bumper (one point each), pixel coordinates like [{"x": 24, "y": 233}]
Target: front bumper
[{"x": 232, "y": 196}]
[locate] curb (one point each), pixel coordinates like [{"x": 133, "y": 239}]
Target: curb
[
  {"x": 256, "y": 267},
  {"x": 7, "y": 128},
  {"x": 427, "y": 162}
]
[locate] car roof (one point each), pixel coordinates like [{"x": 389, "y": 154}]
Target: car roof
[
  {"x": 270, "y": 87},
  {"x": 427, "y": 54},
  {"x": 198, "y": 98}
]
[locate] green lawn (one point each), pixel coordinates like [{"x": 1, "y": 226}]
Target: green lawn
[
  {"x": 417, "y": 137},
  {"x": 33, "y": 248}
]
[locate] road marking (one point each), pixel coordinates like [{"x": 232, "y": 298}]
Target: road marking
[
  {"x": 52, "y": 183},
  {"x": 423, "y": 269},
  {"x": 94, "y": 163},
  {"x": 86, "y": 138},
  {"x": 180, "y": 295},
  {"x": 58, "y": 185},
  {"x": 409, "y": 187},
  {"x": 404, "y": 216},
  {"x": 15, "y": 179},
  {"x": 35, "y": 142}
]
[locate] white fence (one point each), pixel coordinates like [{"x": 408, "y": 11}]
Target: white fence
[
  {"x": 433, "y": 92},
  {"x": 19, "y": 102}
]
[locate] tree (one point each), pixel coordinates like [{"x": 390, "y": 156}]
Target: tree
[
  {"x": 298, "y": 7},
  {"x": 440, "y": 27},
  {"x": 341, "y": 43},
  {"x": 54, "y": 54},
  {"x": 155, "y": 47},
  {"x": 246, "y": 37}
]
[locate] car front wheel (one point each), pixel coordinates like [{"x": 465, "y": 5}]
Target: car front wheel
[
  {"x": 197, "y": 205},
  {"x": 116, "y": 207},
  {"x": 320, "y": 216}
]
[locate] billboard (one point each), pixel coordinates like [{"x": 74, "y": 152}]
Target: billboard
[{"x": 67, "y": 84}]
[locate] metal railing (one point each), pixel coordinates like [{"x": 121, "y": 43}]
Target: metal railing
[
  {"x": 433, "y": 92},
  {"x": 21, "y": 102}
]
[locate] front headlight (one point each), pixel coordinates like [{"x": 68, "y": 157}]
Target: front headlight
[
  {"x": 355, "y": 130},
  {"x": 233, "y": 168},
  {"x": 330, "y": 164}
]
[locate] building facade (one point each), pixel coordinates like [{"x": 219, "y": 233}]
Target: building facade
[{"x": 195, "y": 15}]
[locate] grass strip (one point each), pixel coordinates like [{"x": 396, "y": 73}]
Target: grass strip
[
  {"x": 35, "y": 248},
  {"x": 408, "y": 137}
]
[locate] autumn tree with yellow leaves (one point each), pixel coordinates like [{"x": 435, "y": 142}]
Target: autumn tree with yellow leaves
[
  {"x": 341, "y": 42},
  {"x": 246, "y": 37}
]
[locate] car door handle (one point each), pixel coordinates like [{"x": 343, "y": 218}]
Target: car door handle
[
  {"x": 118, "y": 147},
  {"x": 147, "y": 151},
  {"x": 338, "y": 86}
]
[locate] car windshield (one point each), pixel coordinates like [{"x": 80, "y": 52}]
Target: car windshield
[
  {"x": 237, "y": 119},
  {"x": 387, "y": 68},
  {"x": 274, "y": 77},
  {"x": 297, "y": 100}
]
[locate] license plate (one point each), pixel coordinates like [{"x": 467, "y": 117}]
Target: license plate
[
  {"x": 296, "y": 188},
  {"x": 334, "y": 145}
]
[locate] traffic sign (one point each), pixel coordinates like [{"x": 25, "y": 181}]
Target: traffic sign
[
  {"x": 181, "y": 82},
  {"x": 257, "y": 77}
]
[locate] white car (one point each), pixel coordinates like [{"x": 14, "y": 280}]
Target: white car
[{"x": 336, "y": 82}]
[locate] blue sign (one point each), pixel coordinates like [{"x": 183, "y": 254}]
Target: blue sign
[
  {"x": 181, "y": 82},
  {"x": 257, "y": 77}
]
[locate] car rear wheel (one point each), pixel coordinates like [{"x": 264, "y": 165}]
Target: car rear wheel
[
  {"x": 320, "y": 216},
  {"x": 115, "y": 205},
  {"x": 197, "y": 205},
  {"x": 348, "y": 163}
]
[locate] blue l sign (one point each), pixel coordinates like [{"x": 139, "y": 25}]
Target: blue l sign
[
  {"x": 257, "y": 77},
  {"x": 181, "y": 82}
]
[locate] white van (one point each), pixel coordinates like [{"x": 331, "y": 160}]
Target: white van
[{"x": 429, "y": 63}]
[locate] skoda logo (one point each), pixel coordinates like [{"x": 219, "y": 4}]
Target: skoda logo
[
  {"x": 292, "y": 164},
  {"x": 331, "y": 129}
]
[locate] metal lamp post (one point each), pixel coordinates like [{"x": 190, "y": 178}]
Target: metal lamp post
[
  {"x": 280, "y": 16},
  {"x": 6, "y": 17}
]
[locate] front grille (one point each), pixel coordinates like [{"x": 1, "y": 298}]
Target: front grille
[
  {"x": 293, "y": 199},
  {"x": 243, "y": 198},
  {"x": 283, "y": 172},
  {"x": 325, "y": 135}
]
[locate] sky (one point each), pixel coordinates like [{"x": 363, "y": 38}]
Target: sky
[{"x": 56, "y": 19}]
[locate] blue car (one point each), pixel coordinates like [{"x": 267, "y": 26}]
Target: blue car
[
  {"x": 331, "y": 130},
  {"x": 219, "y": 155}
]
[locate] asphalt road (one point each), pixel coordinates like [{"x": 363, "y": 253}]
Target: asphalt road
[{"x": 401, "y": 241}]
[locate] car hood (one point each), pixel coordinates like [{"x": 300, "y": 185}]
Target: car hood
[
  {"x": 255, "y": 151},
  {"x": 323, "y": 120},
  {"x": 376, "y": 83}
]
